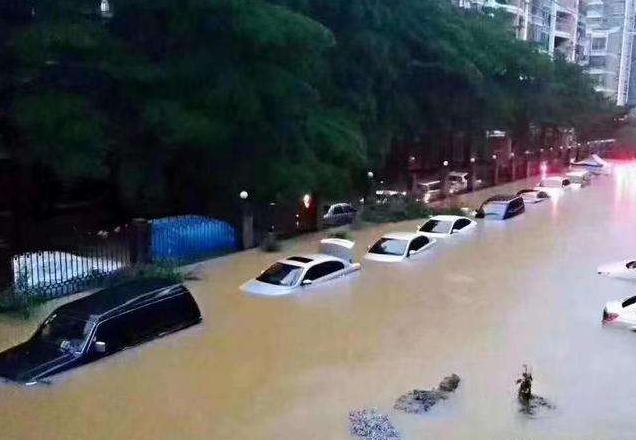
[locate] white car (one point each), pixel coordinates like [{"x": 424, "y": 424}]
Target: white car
[
  {"x": 594, "y": 164},
  {"x": 624, "y": 269},
  {"x": 445, "y": 225},
  {"x": 397, "y": 246},
  {"x": 581, "y": 178},
  {"x": 621, "y": 314},
  {"x": 553, "y": 182},
  {"x": 533, "y": 195},
  {"x": 334, "y": 260}
]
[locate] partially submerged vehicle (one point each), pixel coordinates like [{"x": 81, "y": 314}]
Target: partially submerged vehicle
[
  {"x": 501, "y": 207},
  {"x": 554, "y": 182},
  {"x": 334, "y": 260},
  {"x": 99, "y": 325},
  {"x": 533, "y": 195},
  {"x": 339, "y": 214},
  {"x": 429, "y": 191},
  {"x": 398, "y": 246},
  {"x": 624, "y": 269},
  {"x": 594, "y": 164},
  {"x": 446, "y": 225},
  {"x": 579, "y": 177},
  {"x": 620, "y": 314}
]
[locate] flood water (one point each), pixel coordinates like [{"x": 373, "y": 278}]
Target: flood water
[{"x": 524, "y": 291}]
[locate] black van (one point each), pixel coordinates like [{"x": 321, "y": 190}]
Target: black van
[
  {"x": 99, "y": 325},
  {"x": 501, "y": 207}
]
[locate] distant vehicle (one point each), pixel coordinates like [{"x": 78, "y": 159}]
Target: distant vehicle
[
  {"x": 99, "y": 325},
  {"x": 594, "y": 164},
  {"x": 533, "y": 196},
  {"x": 445, "y": 225},
  {"x": 383, "y": 196},
  {"x": 335, "y": 260},
  {"x": 397, "y": 246},
  {"x": 624, "y": 269},
  {"x": 554, "y": 182},
  {"x": 621, "y": 314},
  {"x": 580, "y": 177},
  {"x": 429, "y": 191},
  {"x": 339, "y": 214},
  {"x": 457, "y": 182},
  {"x": 501, "y": 207}
]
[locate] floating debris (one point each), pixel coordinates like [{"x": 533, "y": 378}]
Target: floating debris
[
  {"x": 420, "y": 401},
  {"x": 530, "y": 403},
  {"x": 371, "y": 425}
]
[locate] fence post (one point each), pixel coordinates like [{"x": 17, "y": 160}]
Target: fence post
[
  {"x": 140, "y": 242},
  {"x": 6, "y": 265}
]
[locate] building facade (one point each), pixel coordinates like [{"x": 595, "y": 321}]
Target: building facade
[{"x": 597, "y": 34}]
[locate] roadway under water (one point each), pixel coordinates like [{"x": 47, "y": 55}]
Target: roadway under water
[{"x": 519, "y": 292}]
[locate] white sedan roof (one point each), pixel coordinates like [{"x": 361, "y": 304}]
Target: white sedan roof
[
  {"x": 401, "y": 235},
  {"x": 448, "y": 218},
  {"x": 313, "y": 259}
]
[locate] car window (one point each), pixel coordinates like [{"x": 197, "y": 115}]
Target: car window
[
  {"x": 631, "y": 265},
  {"x": 418, "y": 243},
  {"x": 323, "y": 269},
  {"x": 566, "y": 182},
  {"x": 281, "y": 274},
  {"x": 629, "y": 302},
  {"x": 516, "y": 203},
  {"x": 437, "y": 226},
  {"x": 114, "y": 333},
  {"x": 542, "y": 195},
  {"x": 389, "y": 246},
  {"x": 337, "y": 210},
  {"x": 461, "y": 224},
  {"x": 64, "y": 332}
]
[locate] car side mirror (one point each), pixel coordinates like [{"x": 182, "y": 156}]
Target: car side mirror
[
  {"x": 307, "y": 282},
  {"x": 100, "y": 347},
  {"x": 411, "y": 252}
]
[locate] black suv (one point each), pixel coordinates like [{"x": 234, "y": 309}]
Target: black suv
[{"x": 99, "y": 325}]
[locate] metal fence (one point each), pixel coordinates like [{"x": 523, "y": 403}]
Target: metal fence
[
  {"x": 190, "y": 238},
  {"x": 90, "y": 259}
]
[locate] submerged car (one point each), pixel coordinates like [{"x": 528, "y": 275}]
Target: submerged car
[
  {"x": 594, "y": 164},
  {"x": 334, "y": 260},
  {"x": 554, "y": 182},
  {"x": 445, "y": 225},
  {"x": 580, "y": 178},
  {"x": 501, "y": 207},
  {"x": 533, "y": 195},
  {"x": 624, "y": 269},
  {"x": 397, "y": 246},
  {"x": 99, "y": 325},
  {"x": 621, "y": 314},
  {"x": 339, "y": 214}
]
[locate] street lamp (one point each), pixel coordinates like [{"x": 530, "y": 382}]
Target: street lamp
[
  {"x": 472, "y": 160},
  {"x": 370, "y": 174},
  {"x": 445, "y": 163},
  {"x": 512, "y": 154},
  {"x": 494, "y": 157},
  {"x": 243, "y": 195}
]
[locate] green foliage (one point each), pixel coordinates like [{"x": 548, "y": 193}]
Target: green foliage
[{"x": 180, "y": 104}]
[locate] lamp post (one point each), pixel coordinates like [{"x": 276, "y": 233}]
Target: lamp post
[
  {"x": 473, "y": 174},
  {"x": 495, "y": 179},
  {"x": 370, "y": 187},
  {"x": 444, "y": 176},
  {"x": 247, "y": 221},
  {"x": 527, "y": 158}
]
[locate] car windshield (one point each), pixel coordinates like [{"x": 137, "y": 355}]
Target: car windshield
[
  {"x": 281, "y": 274},
  {"x": 64, "y": 332},
  {"x": 439, "y": 226},
  {"x": 552, "y": 183},
  {"x": 494, "y": 208},
  {"x": 389, "y": 246}
]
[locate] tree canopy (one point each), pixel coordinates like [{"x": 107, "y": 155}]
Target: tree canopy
[{"x": 180, "y": 104}]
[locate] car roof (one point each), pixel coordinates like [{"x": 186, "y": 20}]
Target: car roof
[
  {"x": 553, "y": 178},
  {"x": 502, "y": 198},
  {"x": 112, "y": 298},
  {"x": 577, "y": 173},
  {"x": 313, "y": 259},
  {"x": 401, "y": 235},
  {"x": 447, "y": 217},
  {"x": 457, "y": 173}
]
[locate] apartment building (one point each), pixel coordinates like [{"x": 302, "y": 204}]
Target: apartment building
[
  {"x": 597, "y": 34},
  {"x": 610, "y": 31},
  {"x": 553, "y": 25}
]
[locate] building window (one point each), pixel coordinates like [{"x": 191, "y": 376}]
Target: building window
[
  {"x": 599, "y": 43},
  {"x": 596, "y": 61}
]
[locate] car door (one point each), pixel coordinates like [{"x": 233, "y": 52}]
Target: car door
[
  {"x": 460, "y": 225},
  {"x": 322, "y": 272},
  {"x": 418, "y": 245}
]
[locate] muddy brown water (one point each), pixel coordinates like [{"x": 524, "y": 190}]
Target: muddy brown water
[{"x": 515, "y": 292}]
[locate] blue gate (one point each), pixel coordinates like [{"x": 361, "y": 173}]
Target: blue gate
[{"x": 190, "y": 238}]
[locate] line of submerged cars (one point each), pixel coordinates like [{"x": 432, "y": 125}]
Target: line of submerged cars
[
  {"x": 335, "y": 258},
  {"x": 115, "y": 319}
]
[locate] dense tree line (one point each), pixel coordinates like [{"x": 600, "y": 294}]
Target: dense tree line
[{"x": 180, "y": 104}]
